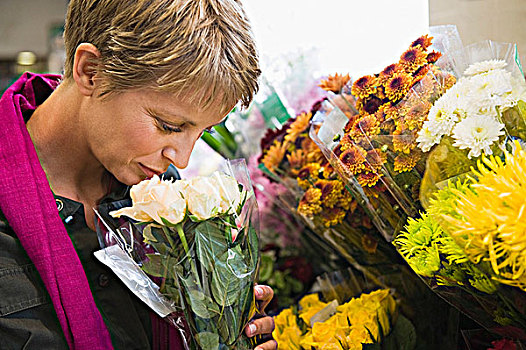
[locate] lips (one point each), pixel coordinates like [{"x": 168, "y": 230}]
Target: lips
[{"x": 149, "y": 172}]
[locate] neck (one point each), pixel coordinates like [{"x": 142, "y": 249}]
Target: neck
[{"x": 63, "y": 151}]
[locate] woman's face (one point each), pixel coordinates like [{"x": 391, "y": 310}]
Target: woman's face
[{"x": 137, "y": 134}]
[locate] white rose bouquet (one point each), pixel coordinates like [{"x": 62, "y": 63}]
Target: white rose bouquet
[{"x": 206, "y": 251}]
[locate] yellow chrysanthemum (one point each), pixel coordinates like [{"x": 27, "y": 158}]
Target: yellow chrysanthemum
[
  {"x": 335, "y": 82},
  {"x": 388, "y": 72},
  {"x": 492, "y": 225},
  {"x": 332, "y": 216},
  {"x": 364, "y": 86},
  {"x": 310, "y": 305},
  {"x": 365, "y": 126},
  {"x": 413, "y": 59},
  {"x": 286, "y": 331},
  {"x": 274, "y": 155},
  {"x": 308, "y": 175},
  {"x": 398, "y": 86},
  {"x": 330, "y": 191},
  {"x": 310, "y": 204},
  {"x": 298, "y": 126},
  {"x": 424, "y": 42},
  {"x": 404, "y": 139},
  {"x": 368, "y": 179},
  {"x": 406, "y": 162},
  {"x": 354, "y": 158}
]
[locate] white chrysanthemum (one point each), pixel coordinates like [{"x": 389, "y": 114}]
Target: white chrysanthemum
[
  {"x": 427, "y": 137},
  {"x": 489, "y": 91},
  {"x": 477, "y": 133},
  {"x": 484, "y": 67},
  {"x": 443, "y": 115}
]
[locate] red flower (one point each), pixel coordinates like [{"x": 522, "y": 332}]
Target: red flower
[{"x": 503, "y": 344}]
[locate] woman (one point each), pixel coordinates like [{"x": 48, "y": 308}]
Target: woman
[{"x": 143, "y": 80}]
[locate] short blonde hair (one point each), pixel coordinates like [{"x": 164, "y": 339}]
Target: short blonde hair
[{"x": 203, "y": 49}]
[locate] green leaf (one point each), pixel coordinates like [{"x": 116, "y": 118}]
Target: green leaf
[
  {"x": 228, "y": 276},
  {"x": 148, "y": 236},
  {"x": 153, "y": 266},
  {"x": 402, "y": 336},
  {"x": 207, "y": 340},
  {"x": 202, "y": 305},
  {"x": 210, "y": 242}
]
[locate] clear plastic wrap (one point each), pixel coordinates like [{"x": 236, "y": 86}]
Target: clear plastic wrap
[
  {"x": 191, "y": 246},
  {"x": 369, "y": 132}
]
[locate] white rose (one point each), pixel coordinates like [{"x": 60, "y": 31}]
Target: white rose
[
  {"x": 202, "y": 197},
  {"x": 155, "y": 199},
  {"x": 228, "y": 190}
]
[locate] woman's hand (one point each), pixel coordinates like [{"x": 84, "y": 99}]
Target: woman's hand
[{"x": 263, "y": 325}]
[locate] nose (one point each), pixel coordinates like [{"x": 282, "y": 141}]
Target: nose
[{"x": 179, "y": 154}]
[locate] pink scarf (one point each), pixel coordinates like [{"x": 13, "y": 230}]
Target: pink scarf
[{"x": 29, "y": 206}]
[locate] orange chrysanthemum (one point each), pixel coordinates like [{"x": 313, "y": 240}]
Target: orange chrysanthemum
[
  {"x": 371, "y": 104},
  {"x": 364, "y": 86},
  {"x": 330, "y": 191},
  {"x": 274, "y": 155},
  {"x": 424, "y": 42},
  {"x": 354, "y": 158},
  {"x": 332, "y": 216},
  {"x": 310, "y": 203},
  {"x": 420, "y": 73},
  {"x": 398, "y": 86},
  {"x": 328, "y": 172},
  {"x": 388, "y": 72},
  {"x": 335, "y": 82},
  {"x": 413, "y": 59},
  {"x": 417, "y": 114},
  {"x": 299, "y": 125},
  {"x": 369, "y": 243},
  {"x": 308, "y": 175},
  {"x": 346, "y": 202},
  {"x": 368, "y": 179},
  {"x": 406, "y": 162},
  {"x": 404, "y": 139},
  {"x": 374, "y": 160},
  {"x": 433, "y": 56},
  {"x": 366, "y": 126}
]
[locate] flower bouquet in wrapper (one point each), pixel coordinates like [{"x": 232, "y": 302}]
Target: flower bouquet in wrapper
[
  {"x": 368, "y": 321},
  {"x": 368, "y": 133},
  {"x": 319, "y": 198},
  {"x": 198, "y": 240},
  {"x": 470, "y": 244}
]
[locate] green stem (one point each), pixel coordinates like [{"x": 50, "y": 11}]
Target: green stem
[{"x": 180, "y": 232}]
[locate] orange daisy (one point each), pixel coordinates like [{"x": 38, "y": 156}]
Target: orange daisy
[
  {"x": 274, "y": 155},
  {"x": 364, "y": 86},
  {"x": 296, "y": 161},
  {"x": 371, "y": 104},
  {"x": 354, "y": 158},
  {"x": 424, "y": 42},
  {"x": 299, "y": 125},
  {"x": 335, "y": 83},
  {"x": 398, "y": 86},
  {"x": 413, "y": 59},
  {"x": 310, "y": 203}
]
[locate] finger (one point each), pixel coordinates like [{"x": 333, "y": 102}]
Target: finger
[
  {"x": 264, "y": 325},
  {"x": 264, "y": 294},
  {"x": 270, "y": 345}
]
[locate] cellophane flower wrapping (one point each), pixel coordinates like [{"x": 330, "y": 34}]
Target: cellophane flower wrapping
[
  {"x": 198, "y": 240},
  {"x": 348, "y": 312},
  {"x": 369, "y": 129},
  {"x": 318, "y": 197}
]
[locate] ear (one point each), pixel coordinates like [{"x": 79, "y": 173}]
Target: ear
[{"x": 84, "y": 69}]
